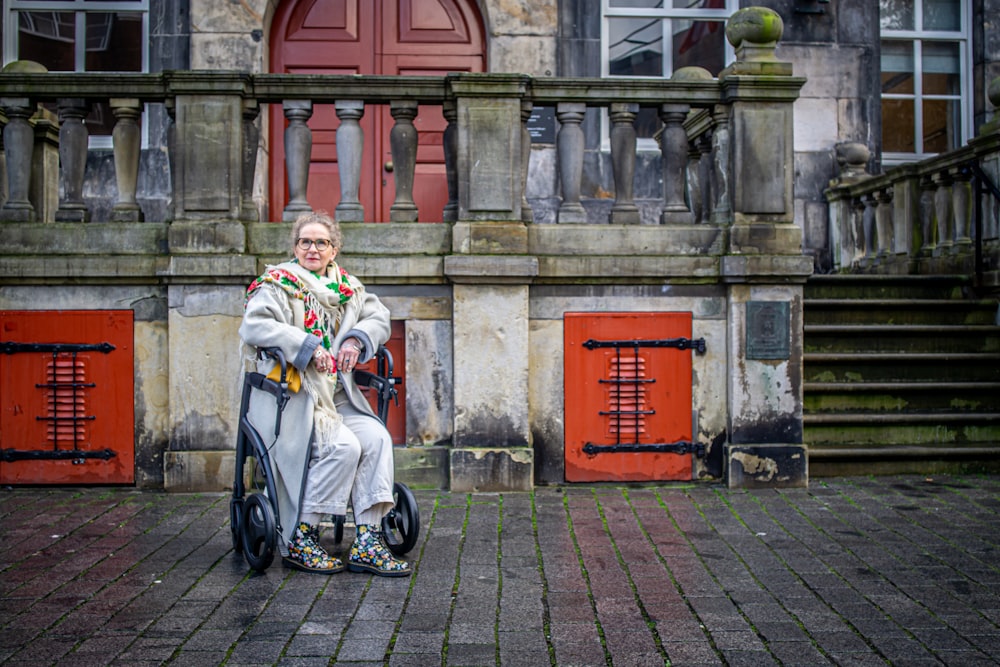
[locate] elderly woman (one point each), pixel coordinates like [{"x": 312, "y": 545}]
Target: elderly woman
[{"x": 331, "y": 445}]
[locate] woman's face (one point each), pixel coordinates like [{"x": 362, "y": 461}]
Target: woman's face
[{"x": 308, "y": 252}]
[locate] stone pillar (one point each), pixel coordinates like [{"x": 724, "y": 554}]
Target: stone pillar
[
  {"x": 490, "y": 271},
  {"x": 869, "y": 219},
  {"x": 73, "y": 138},
  {"x": 960, "y": 205},
  {"x": 298, "y": 155},
  {"x": 127, "y": 141},
  {"x": 883, "y": 222},
  {"x": 18, "y": 141},
  {"x": 210, "y": 199},
  {"x": 765, "y": 266},
  {"x": 489, "y": 145},
  {"x": 350, "y": 147},
  {"x": 942, "y": 212},
  {"x": 403, "y": 144},
  {"x": 569, "y": 149},
  {"x": 492, "y": 436},
  {"x": 623, "y": 142},
  {"x": 722, "y": 212}
]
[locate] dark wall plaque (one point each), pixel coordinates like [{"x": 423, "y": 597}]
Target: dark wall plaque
[
  {"x": 768, "y": 330},
  {"x": 542, "y": 125}
]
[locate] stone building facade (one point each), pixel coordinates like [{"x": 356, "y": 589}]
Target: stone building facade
[{"x": 484, "y": 299}]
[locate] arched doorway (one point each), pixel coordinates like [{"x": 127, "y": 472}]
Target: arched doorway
[{"x": 399, "y": 37}]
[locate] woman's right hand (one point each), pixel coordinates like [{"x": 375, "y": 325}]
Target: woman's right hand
[{"x": 323, "y": 360}]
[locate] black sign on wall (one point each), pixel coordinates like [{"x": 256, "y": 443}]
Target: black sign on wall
[
  {"x": 768, "y": 330},
  {"x": 542, "y": 125}
]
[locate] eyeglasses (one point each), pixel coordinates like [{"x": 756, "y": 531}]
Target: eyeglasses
[{"x": 321, "y": 244}]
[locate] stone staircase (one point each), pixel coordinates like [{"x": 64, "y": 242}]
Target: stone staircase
[{"x": 901, "y": 374}]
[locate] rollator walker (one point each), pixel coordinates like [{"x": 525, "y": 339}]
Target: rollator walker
[{"x": 254, "y": 520}]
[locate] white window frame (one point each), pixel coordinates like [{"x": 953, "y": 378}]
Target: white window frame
[
  {"x": 916, "y": 38},
  {"x": 80, "y": 8},
  {"x": 666, "y": 16}
]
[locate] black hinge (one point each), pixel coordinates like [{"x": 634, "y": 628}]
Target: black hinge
[
  {"x": 55, "y": 348},
  {"x": 76, "y": 455},
  {"x": 679, "y": 447},
  {"x": 698, "y": 345}
]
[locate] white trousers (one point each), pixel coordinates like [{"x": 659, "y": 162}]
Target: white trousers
[{"x": 357, "y": 464}]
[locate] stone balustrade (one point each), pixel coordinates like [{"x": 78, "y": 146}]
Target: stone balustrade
[
  {"x": 939, "y": 215},
  {"x": 222, "y": 109}
]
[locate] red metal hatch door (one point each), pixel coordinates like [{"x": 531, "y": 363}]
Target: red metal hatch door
[
  {"x": 628, "y": 396},
  {"x": 67, "y": 404}
]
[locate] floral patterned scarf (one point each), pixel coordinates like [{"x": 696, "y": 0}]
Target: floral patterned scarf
[{"x": 318, "y": 302}]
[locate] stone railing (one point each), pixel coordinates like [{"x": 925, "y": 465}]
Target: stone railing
[
  {"x": 487, "y": 146},
  {"x": 940, "y": 215}
]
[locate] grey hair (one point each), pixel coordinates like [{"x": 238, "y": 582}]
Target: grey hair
[{"x": 321, "y": 218}]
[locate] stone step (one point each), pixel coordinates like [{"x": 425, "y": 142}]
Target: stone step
[
  {"x": 843, "y": 286},
  {"x": 901, "y": 338},
  {"x": 900, "y": 311},
  {"x": 889, "y": 430},
  {"x": 905, "y": 367},
  {"x": 900, "y": 397}
]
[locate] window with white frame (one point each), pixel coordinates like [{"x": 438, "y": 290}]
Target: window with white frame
[
  {"x": 924, "y": 68},
  {"x": 80, "y": 36},
  {"x": 654, "y": 38}
]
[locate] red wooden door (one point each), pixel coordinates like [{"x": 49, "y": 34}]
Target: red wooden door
[
  {"x": 399, "y": 37},
  {"x": 67, "y": 404},
  {"x": 625, "y": 402}
]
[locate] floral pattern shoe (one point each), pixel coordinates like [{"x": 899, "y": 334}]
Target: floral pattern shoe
[
  {"x": 306, "y": 554},
  {"x": 369, "y": 554}
]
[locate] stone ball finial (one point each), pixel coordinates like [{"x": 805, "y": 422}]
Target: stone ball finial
[
  {"x": 993, "y": 92},
  {"x": 691, "y": 74},
  {"x": 755, "y": 25},
  {"x": 24, "y": 67}
]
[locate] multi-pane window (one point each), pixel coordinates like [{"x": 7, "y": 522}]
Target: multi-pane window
[
  {"x": 79, "y": 36},
  {"x": 925, "y": 60},
  {"x": 654, "y": 38}
]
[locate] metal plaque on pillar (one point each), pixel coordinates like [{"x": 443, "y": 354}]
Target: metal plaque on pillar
[{"x": 767, "y": 330}]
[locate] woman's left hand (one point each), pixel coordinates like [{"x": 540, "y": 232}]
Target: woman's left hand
[{"x": 348, "y": 355}]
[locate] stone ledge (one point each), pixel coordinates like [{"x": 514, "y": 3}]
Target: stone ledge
[
  {"x": 771, "y": 466},
  {"x": 490, "y": 269}
]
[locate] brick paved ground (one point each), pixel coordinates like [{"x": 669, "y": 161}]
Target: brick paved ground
[{"x": 860, "y": 571}]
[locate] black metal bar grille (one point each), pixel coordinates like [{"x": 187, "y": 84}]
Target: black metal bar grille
[
  {"x": 632, "y": 386},
  {"x": 65, "y": 402}
]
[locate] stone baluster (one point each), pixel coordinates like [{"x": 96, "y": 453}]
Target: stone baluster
[
  {"x": 298, "y": 155},
  {"x": 883, "y": 221},
  {"x": 527, "y": 215},
  {"x": 942, "y": 211},
  {"x": 569, "y": 146},
  {"x": 869, "y": 227},
  {"x": 694, "y": 182},
  {"x": 18, "y": 141},
  {"x": 251, "y": 140},
  {"x": 403, "y": 145},
  {"x": 450, "y": 140},
  {"x": 961, "y": 198},
  {"x": 623, "y": 141},
  {"x": 127, "y": 142},
  {"x": 674, "y": 147},
  {"x": 350, "y": 148},
  {"x": 73, "y": 138},
  {"x": 859, "y": 244},
  {"x": 705, "y": 169},
  {"x": 927, "y": 191},
  {"x": 722, "y": 211}
]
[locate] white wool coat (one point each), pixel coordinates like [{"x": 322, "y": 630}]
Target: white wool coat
[{"x": 268, "y": 322}]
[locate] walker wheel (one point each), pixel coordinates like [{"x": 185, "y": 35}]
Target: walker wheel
[
  {"x": 258, "y": 531},
  {"x": 236, "y": 522},
  {"x": 402, "y": 524}
]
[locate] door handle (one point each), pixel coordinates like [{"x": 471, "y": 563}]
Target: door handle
[{"x": 389, "y": 166}]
